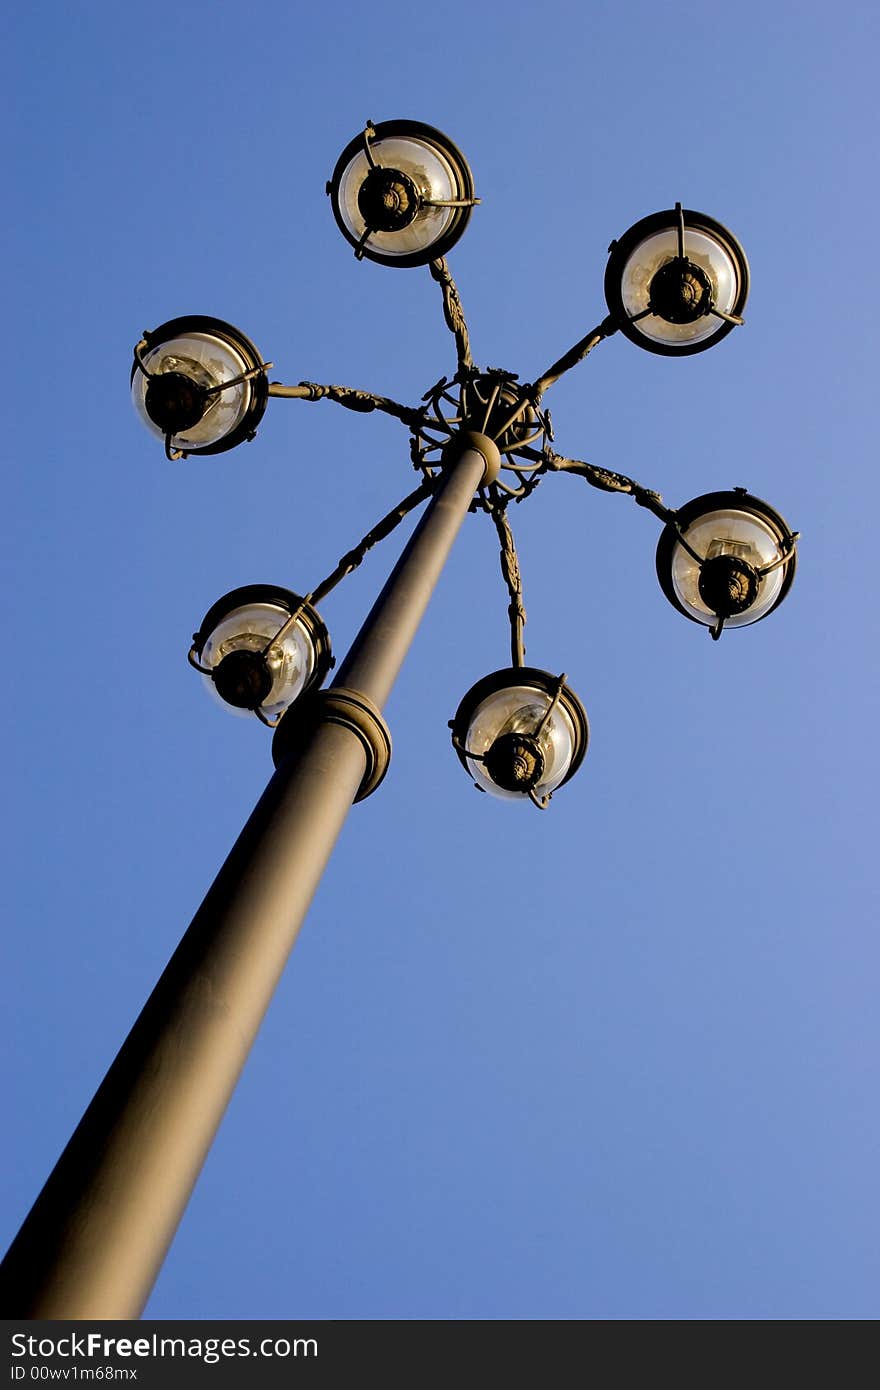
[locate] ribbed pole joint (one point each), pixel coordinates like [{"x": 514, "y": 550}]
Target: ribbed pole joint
[{"x": 353, "y": 711}]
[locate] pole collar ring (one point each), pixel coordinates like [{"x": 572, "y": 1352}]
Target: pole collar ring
[{"x": 353, "y": 711}]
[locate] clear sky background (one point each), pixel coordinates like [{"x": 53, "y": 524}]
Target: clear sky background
[{"x": 615, "y": 1060}]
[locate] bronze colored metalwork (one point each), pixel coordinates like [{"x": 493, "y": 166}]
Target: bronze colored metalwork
[
  {"x": 510, "y": 573},
  {"x": 92, "y": 1244},
  {"x": 390, "y": 199},
  {"x": 96, "y": 1236},
  {"x": 680, "y": 291},
  {"x": 363, "y": 402},
  {"x": 175, "y": 402},
  {"x": 352, "y": 710},
  {"x": 728, "y": 583},
  {"x": 243, "y": 678},
  {"x": 515, "y": 760},
  {"x": 494, "y": 403},
  {"x": 453, "y": 312}
]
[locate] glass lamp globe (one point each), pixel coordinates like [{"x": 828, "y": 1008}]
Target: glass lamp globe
[
  {"x": 521, "y": 733},
  {"x": 676, "y": 282},
  {"x": 727, "y": 559},
  {"x": 259, "y": 648},
  {"x": 199, "y": 384},
  {"x": 401, "y": 193}
]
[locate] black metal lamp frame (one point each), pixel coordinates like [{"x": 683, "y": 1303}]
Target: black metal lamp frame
[
  {"x": 400, "y": 187},
  {"x": 494, "y": 403},
  {"x": 299, "y": 610},
  {"x": 543, "y": 683},
  {"x": 682, "y": 220},
  {"x": 737, "y": 499},
  {"x": 96, "y": 1236},
  {"x": 255, "y": 371}
]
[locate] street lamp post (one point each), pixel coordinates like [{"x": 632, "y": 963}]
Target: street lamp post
[{"x": 402, "y": 194}]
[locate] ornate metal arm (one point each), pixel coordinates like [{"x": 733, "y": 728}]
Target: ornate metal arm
[
  {"x": 573, "y": 356},
  {"x": 349, "y": 562},
  {"x": 349, "y": 396},
  {"x": 510, "y": 570},
  {"x": 453, "y": 313},
  {"x": 383, "y": 528},
  {"x": 607, "y": 481}
]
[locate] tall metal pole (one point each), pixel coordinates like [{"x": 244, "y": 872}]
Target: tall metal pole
[{"x": 95, "y": 1239}]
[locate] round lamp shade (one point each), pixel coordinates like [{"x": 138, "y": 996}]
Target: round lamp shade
[
  {"x": 199, "y": 384},
  {"x": 727, "y": 559},
  {"x": 401, "y": 193},
  {"x": 259, "y": 648},
  {"x": 676, "y": 282},
  {"x": 521, "y": 733}
]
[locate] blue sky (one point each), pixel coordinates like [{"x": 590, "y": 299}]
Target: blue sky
[{"x": 616, "y": 1060}]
